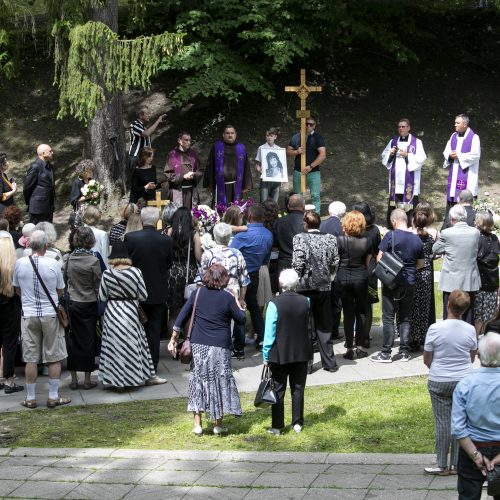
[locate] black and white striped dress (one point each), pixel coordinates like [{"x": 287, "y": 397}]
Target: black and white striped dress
[{"x": 125, "y": 358}]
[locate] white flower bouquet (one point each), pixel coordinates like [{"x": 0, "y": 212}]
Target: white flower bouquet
[{"x": 92, "y": 191}]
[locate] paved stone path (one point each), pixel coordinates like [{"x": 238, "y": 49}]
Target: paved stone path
[{"x": 113, "y": 474}]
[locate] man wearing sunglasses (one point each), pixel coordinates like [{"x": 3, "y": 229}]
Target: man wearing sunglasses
[{"x": 315, "y": 155}]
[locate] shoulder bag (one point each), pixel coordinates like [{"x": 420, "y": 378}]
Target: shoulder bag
[
  {"x": 143, "y": 318},
  {"x": 266, "y": 395},
  {"x": 390, "y": 267},
  {"x": 185, "y": 354},
  {"x": 61, "y": 313}
]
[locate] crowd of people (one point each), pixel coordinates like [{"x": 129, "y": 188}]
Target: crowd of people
[{"x": 297, "y": 276}]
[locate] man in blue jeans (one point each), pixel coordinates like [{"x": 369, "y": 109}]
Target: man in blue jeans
[
  {"x": 315, "y": 155},
  {"x": 408, "y": 247},
  {"x": 255, "y": 244}
]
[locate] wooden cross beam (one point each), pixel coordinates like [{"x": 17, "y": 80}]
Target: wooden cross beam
[
  {"x": 302, "y": 91},
  {"x": 159, "y": 204}
]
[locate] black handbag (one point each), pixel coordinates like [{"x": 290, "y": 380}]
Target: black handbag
[
  {"x": 390, "y": 267},
  {"x": 493, "y": 478},
  {"x": 185, "y": 352},
  {"x": 266, "y": 395}
]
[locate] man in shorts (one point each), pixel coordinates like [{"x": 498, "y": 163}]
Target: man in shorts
[{"x": 42, "y": 335}]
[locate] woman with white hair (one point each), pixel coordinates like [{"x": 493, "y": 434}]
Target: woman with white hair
[
  {"x": 52, "y": 252},
  {"x": 287, "y": 349},
  {"x": 91, "y": 218}
]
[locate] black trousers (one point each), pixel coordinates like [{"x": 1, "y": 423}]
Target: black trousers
[
  {"x": 321, "y": 312},
  {"x": 155, "y": 315},
  {"x": 36, "y": 218},
  {"x": 467, "y": 316},
  {"x": 401, "y": 300},
  {"x": 336, "y": 307},
  {"x": 297, "y": 374},
  {"x": 9, "y": 330},
  {"x": 253, "y": 305},
  {"x": 354, "y": 294},
  {"x": 470, "y": 478}
]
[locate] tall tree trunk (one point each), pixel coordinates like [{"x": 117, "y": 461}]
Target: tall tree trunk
[{"x": 105, "y": 143}]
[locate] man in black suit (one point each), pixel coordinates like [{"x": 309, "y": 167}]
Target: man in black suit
[
  {"x": 151, "y": 252},
  {"x": 333, "y": 225},
  {"x": 286, "y": 228},
  {"x": 40, "y": 187}
]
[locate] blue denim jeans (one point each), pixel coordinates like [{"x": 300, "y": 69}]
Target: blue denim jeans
[
  {"x": 313, "y": 183},
  {"x": 269, "y": 190}
]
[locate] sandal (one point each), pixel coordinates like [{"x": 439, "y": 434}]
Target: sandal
[
  {"x": 73, "y": 386},
  {"x": 89, "y": 385},
  {"x": 52, "y": 403},
  {"x": 29, "y": 403}
]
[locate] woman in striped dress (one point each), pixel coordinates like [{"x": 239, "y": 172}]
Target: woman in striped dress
[{"x": 125, "y": 358}]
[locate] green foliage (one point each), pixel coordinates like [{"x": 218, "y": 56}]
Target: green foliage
[{"x": 99, "y": 64}]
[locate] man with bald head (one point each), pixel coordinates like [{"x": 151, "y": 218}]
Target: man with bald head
[{"x": 39, "y": 186}]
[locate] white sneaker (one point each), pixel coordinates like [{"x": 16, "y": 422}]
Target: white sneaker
[
  {"x": 155, "y": 380},
  {"x": 297, "y": 428},
  {"x": 274, "y": 431},
  {"x": 220, "y": 430},
  {"x": 198, "y": 430}
]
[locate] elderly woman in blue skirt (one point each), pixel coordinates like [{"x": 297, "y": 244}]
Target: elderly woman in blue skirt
[{"x": 212, "y": 388}]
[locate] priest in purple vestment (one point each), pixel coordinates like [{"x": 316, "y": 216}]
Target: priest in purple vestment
[
  {"x": 227, "y": 173},
  {"x": 183, "y": 173}
]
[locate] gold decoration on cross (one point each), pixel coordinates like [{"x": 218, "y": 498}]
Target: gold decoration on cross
[
  {"x": 159, "y": 204},
  {"x": 303, "y": 91}
]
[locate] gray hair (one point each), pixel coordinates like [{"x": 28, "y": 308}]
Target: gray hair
[
  {"x": 458, "y": 213},
  {"x": 289, "y": 279},
  {"x": 168, "y": 213},
  {"x": 222, "y": 233},
  {"x": 463, "y": 117},
  {"x": 149, "y": 216},
  {"x": 337, "y": 209},
  {"x": 399, "y": 215},
  {"x": 484, "y": 222},
  {"x": 38, "y": 241},
  {"x": 84, "y": 238},
  {"x": 465, "y": 196},
  {"x": 489, "y": 350},
  {"x": 49, "y": 229}
]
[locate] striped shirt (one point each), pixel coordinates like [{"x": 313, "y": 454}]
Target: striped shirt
[{"x": 137, "y": 141}]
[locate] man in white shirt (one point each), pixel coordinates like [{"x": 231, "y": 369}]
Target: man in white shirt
[
  {"x": 403, "y": 157},
  {"x": 461, "y": 157},
  {"x": 42, "y": 335}
]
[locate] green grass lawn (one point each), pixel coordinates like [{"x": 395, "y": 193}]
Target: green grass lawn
[{"x": 381, "y": 416}]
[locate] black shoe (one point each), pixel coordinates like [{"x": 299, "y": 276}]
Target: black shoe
[
  {"x": 10, "y": 389},
  {"x": 349, "y": 355},
  {"x": 258, "y": 345},
  {"x": 402, "y": 356},
  {"x": 361, "y": 354},
  {"x": 332, "y": 370},
  {"x": 237, "y": 354}
]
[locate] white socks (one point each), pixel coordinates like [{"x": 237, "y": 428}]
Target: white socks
[
  {"x": 30, "y": 391},
  {"x": 53, "y": 388}
]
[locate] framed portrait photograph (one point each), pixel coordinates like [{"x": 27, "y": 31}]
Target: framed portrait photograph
[{"x": 274, "y": 167}]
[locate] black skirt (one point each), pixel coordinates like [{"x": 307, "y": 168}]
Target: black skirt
[{"x": 81, "y": 344}]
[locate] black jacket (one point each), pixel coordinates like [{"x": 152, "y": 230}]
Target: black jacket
[
  {"x": 39, "y": 188},
  {"x": 151, "y": 252},
  {"x": 284, "y": 231}
]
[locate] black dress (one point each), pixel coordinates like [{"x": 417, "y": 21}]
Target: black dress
[{"x": 140, "y": 177}]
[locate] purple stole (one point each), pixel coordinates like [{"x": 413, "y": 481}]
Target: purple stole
[
  {"x": 241, "y": 154},
  {"x": 461, "y": 183},
  {"x": 409, "y": 176},
  {"x": 175, "y": 160}
]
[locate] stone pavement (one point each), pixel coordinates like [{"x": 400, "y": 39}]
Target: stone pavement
[
  {"x": 247, "y": 373},
  {"x": 113, "y": 474}
]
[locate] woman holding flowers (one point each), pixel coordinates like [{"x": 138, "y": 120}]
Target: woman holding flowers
[{"x": 84, "y": 189}]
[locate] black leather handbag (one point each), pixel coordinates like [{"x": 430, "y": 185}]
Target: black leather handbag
[
  {"x": 493, "y": 478},
  {"x": 390, "y": 267},
  {"x": 266, "y": 395}
]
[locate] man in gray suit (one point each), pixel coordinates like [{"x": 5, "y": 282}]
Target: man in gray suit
[{"x": 459, "y": 244}]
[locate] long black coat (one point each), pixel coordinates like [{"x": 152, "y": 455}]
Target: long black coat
[
  {"x": 151, "y": 252},
  {"x": 40, "y": 188}
]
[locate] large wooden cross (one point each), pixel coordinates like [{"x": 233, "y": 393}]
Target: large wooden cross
[
  {"x": 303, "y": 92},
  {"x": 159, "y": 204}
]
